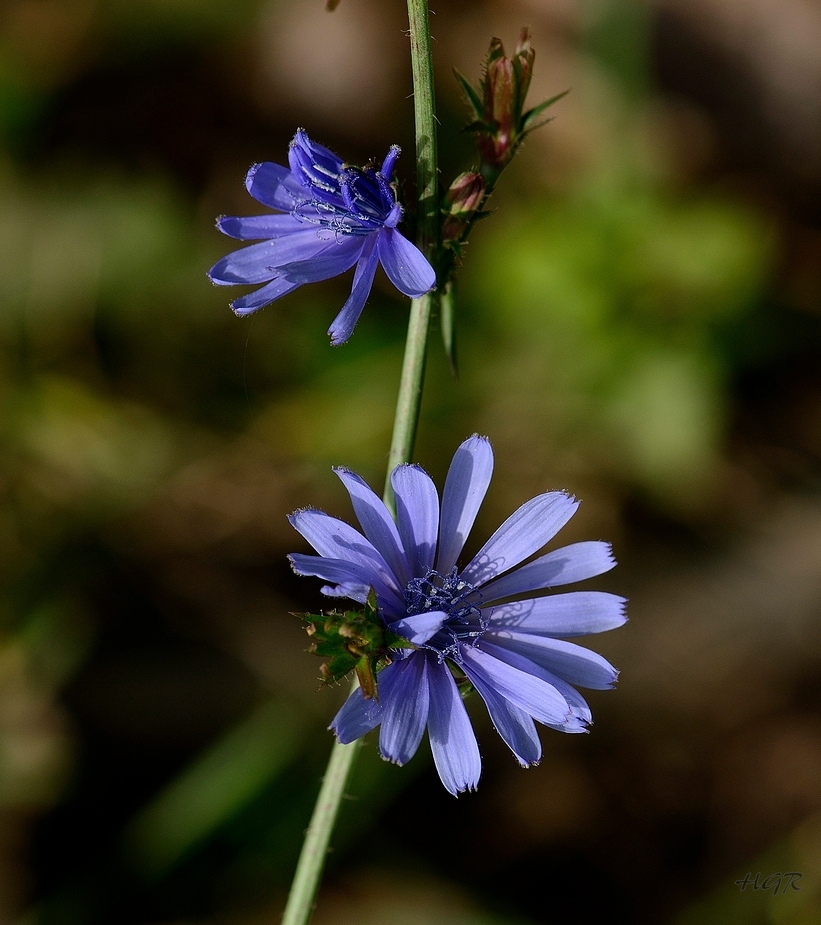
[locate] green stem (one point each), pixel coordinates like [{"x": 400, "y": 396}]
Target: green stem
[
  {"x": 424, "y": 112},
  {"x": 427, "y": 179},
  {"x": 410, "y": 391},
  {"x": 315, "y": 848}
]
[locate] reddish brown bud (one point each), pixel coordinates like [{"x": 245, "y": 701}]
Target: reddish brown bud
[
  {"x": 499, "y": 96},
  {"x": 523, "y": 59},
  {"x": 504, "y": 87},
  {"x": 463, "y": 199},
  {"x": 465, "y": 193},
  {"x": 500, "y": 121}
]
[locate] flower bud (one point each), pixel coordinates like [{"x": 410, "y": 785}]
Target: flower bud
[
  {"x": 499, "y": 96},
  {"x": 523, "y": 65},
  {"x": 462, "y": 200},
  {"x": 465, "y": 193},
  {"x": 501, "y": 121}
]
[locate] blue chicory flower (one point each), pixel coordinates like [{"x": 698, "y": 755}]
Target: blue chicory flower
[
  {"x": 480, "y": 623},
  {"x": 336, "y": 216}
]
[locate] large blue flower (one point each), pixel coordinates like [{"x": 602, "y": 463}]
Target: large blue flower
[
  {"x": 479, "y": 624},
  {"x": 336, "y": 216}
]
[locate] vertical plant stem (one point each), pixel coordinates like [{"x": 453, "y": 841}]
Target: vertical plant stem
[
  {"x": 413, "y": 366},
  {"x": 410, "y": 391},
  {"x": 315, "y": 848}
]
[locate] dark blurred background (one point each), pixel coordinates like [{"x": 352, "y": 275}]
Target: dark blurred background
[{"x": 639, "y": 323}]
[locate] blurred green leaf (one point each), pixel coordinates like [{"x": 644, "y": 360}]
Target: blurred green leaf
[
  {"x": 219, "y": 784},
  {"x": 610, "y": 310}
]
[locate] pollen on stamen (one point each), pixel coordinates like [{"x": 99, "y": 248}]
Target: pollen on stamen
[{"x": 442, "y": 592}]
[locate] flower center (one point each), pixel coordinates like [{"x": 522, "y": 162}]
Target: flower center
[
  {"x": 448, "y": 593},
  {"x": 358, "y": 202}
]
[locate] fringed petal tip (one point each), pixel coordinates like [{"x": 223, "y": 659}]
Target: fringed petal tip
[
  {"x": 345, "y": 322},
  {"x": 242, "y": 312},
  {"x": 251, "y": 173},
  {"x": 468, "y": 788},
  {"x": 611, "y": 556},
  {"x": 294, "y": 516}
]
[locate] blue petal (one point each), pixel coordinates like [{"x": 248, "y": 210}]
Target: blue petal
[
  {"x": 578, "y": 613},
  {"x": 419, "y": 627},
  {"x": 301, "y": 246},
  {"x": 355, "y": 591},
  {"x": 465, "y": 488},
  {"x": 405, "y": 700},
  {"x": 274, "y": 186},
  {"x": 313, "y": 154},
  {"x": 377, "y": 523},
  {"x": 529, "y": 693},
  {"x": 258, "y": 263},
  {"x": 316, "y": 168},
  {"x": 514, "y": 725},
  {"x": 405, "y": 264},
  {"x": 363, "y": 197},
  {"x": 535, "y": 523},
  {"x": 335, "y": 259},
  {"x": 580, "y": 716},
  {"x": 390, "y": 159},
  {"x": 248, "y": 266},
  {"x": 341, "y": 572},
  {"x": 334, "y": 539},
  {"x": 576, "y": 562},
  {"x": 247, "y": 304},
  {"x": 417, "y": 516},
  {"x": 571, "y": 662},
  {"x": 258, "y": 227},
  {"x": 452, "y": 740},
  {"x": 358, "y": 714},
  {"x": 345, "y": 321}
]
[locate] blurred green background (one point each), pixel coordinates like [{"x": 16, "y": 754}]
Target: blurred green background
[{"x": 639, "y": 323}]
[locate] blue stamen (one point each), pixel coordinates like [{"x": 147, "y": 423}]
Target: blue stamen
[{"x": 449, "y": 593}]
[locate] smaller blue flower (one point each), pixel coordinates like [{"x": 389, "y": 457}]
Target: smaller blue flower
[
  {"x": 487, "y": 623},
  {"x": 335, "y": 216}
]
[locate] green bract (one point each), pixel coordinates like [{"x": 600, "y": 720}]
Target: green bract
[{"x": 352, "y": 641}]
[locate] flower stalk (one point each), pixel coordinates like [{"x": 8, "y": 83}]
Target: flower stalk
[
  {"x": 315, "y": 847},
  {"x": 427, "y": 170}
]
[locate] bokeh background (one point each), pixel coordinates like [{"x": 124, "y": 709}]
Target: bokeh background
[{"x": 639, "y": 322}]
